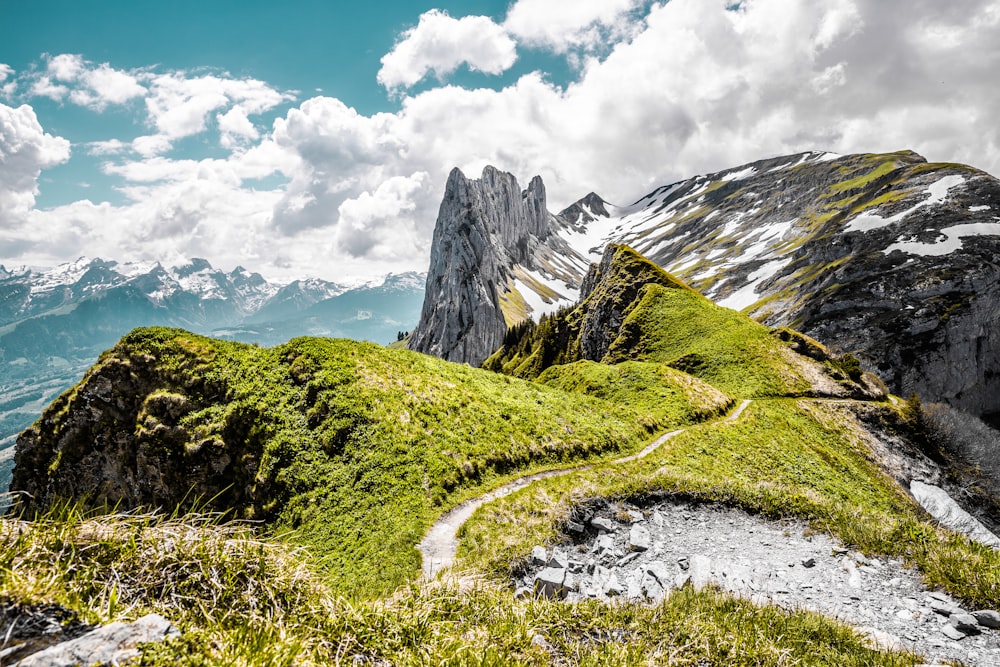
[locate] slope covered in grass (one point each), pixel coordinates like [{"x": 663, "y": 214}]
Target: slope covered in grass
[
  {"x": 633, "y": 310},
  {"x": 239, "y": 600},
  {"x": 782, "y": 458},
  {"x": 355, "y": 447}
]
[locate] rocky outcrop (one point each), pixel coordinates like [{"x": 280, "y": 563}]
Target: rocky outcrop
[
  {"x": 487, "y": 230},
  {"x": 112, "y": 644},
  {"x": 118, "y": 439},
  {"x": 948, "y": 513}
]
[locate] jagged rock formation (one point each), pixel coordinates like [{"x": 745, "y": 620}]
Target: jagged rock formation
[
  {"x": 886, "y": 256},
  {"x": 490, "y": 237}
]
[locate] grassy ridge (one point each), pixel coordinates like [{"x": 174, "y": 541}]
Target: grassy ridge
[
  {"x": 355, "y": 447},
  {"x": 638, "y": 312}
]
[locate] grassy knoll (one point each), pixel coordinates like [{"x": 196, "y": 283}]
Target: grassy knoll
[{"x": 354, "y": 447}]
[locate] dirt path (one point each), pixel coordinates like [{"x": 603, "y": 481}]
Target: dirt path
[{"x": 438, "y": 547}]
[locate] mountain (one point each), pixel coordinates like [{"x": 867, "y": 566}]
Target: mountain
[
  {"x": 54, "y": 323},
  {"x": 497, "y": 257},
  {"x": 647, "y": 406},
  {"x": 886, "y": 256}
]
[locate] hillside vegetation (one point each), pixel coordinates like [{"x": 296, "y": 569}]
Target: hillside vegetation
[
  {"x": 347, "y": 452},
  {"x": 354, "y": 447}
]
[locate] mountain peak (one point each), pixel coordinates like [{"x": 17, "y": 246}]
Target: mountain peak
[{"x": 485, "y": 227}]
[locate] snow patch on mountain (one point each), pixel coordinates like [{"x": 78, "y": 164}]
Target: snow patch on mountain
[
  {"x": 951, "y": 242},
  {"x": 937, "y": 191}
]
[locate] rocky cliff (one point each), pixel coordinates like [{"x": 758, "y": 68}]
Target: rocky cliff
[
  {"x": 491, "y": 240},
  {"x": 886, "y": 256}
]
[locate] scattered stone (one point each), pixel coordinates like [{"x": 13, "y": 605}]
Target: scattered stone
[
  {"x": 701, "y": 571},
  {"x": 558, "y": 561},
  {"x": 541, "y": 642},
  {"x": 808, "y": 562},
  {"x": 522, "y": 593},
  {"x": 628, "y": 559},
  {"x": 943, "y": 608},
  {"x": 881, "y": 639},
  {"x": 749, "y": 556},
  {"x": 603, "y": 525},
  {"x": 111, "y": 644},
  {"x": 635, "y": 516},
  {"x": 605, "y": 544},
  {"x": 574, "y": 527},
  {"x": 613, "y": 587},
  {"x": 639, "y": 538},
  {"x": 965, "y": 623},
  {"x": 539, "y": 556},
  {"x": 550, "y": 582},
  {"x": 659, "y": 571},
  {"x": 987, "y": 618}
]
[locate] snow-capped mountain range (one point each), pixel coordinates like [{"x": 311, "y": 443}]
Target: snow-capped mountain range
[{"x": 55, "y": 322}]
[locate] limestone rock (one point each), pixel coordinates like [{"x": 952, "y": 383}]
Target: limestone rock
[
  {"x": 987, "y": 618},
  {"x": 486, "y": 229},
  {"x": 639, "y": 538},
  {"x": 551, "y": 582},
  {"x": 943, "y": 507},
  {"x": 965, "y": 623},
  {"x": 110, "y": 644}
]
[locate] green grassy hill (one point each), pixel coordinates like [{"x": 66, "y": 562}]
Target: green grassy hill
[
  {"x": 347, "y": 452},
  {"x": 354, "y": 447}
]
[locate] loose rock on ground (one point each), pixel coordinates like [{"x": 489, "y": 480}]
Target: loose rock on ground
[{"x": 633, "y": 553}]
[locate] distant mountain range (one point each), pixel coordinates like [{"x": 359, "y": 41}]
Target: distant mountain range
[{"x": 55, "y": 322}]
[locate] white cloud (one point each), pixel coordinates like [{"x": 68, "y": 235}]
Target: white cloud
[
  {"x": 180, "y": 105},
  {"x": 108, "y": 147},
  {"x": 380, "y": 222},
  {"x": 564, "y": 24},
  {"x": 25, "y": 150},
  {"x": 439, "y": 44},
  {"x": 43, "y": 86},
  {"x": 85, "y": 84},
  {"x": 235, "y": 127},
  {"x": 691, "y": 87}
]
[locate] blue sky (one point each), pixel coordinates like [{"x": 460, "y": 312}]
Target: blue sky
[{"x": 314, "y": 138}]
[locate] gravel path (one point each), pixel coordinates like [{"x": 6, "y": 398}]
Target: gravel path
[
  {"x": 628, "y": 552},
  {"x": 438, "y": 547}
]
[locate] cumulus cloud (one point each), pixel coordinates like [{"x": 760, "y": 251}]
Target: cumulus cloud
[
  {"x": 86, "y": 84},
  {"x": 440, "y": 44},
  {"x": 692, "y": 87},
  {"x": 180, "y": 105},
  {"x": 25, "y": 149},
  {"x": 566, "y": 24}
]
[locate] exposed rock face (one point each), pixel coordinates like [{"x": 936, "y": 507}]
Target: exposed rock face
[
  {"x": 489, "y": 234},
  {"x": 882, "y": 255},
  {"x": 119, "y": 438}
]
